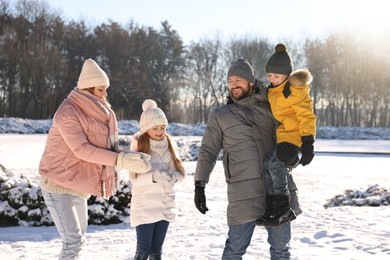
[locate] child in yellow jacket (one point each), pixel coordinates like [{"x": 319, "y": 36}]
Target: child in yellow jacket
[{"x": 292, "y": 107}]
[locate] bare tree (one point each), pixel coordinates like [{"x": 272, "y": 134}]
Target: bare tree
[{"x": 206, "y": 77}]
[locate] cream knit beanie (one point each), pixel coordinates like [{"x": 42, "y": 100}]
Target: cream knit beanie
[
  {"x": 151, "y": 116},
  {"x": 92, "y": 76}
]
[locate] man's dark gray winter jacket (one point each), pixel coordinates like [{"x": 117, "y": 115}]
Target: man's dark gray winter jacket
[{"x": 245, "y": 131}]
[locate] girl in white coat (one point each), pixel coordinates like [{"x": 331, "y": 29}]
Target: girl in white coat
[{"x": 153, "y": 196}]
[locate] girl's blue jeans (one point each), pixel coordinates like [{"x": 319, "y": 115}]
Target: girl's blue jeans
[{"x": 150, "y": 237}]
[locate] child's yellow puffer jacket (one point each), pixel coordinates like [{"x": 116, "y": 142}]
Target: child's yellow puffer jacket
[{"x": 293, "y": 111}]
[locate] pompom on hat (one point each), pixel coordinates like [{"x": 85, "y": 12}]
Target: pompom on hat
[
  {"x": 92, "y": 76},
  {"x": 151, "y": 116},
  {"x": 280, "y": 61},
  {"x": 243, "y": 69}
]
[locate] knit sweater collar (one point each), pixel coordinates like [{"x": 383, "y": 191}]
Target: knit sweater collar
[{"x": 159, "y": 146}]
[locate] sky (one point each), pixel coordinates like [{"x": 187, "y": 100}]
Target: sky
[
  {"x": 337, "y": 233},
  {"x": 275, "y": 20}
]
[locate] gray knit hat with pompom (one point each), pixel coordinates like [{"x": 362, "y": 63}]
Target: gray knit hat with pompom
[{"x": 280, "y": 61}]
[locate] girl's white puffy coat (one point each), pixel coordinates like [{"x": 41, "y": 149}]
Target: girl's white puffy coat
[{"x": 152, "y": 202}]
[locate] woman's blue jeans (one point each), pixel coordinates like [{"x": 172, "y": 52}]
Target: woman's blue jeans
[
  {"x": 70, "y": 216},
  {"x": 239, "y": 238},
  {"x": 150, "y": 237}
]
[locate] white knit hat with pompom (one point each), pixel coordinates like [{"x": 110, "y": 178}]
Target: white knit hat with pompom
[{"x": 151, "y": 116}]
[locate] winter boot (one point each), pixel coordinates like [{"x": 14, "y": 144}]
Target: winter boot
[
  {"x": 141, "y": 255},
  {"x": 280, "y": 213},
  {"x": 155, "y": 257},
  {"x": 269, "y": 210}
]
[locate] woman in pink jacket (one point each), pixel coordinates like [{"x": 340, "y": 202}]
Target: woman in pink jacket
[{"x": 81, "y": 157}]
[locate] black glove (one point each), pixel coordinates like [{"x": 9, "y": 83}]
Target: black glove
[
  {"x": 200, "y": 199},
  {"x": 307, "y": 150},
  {"x": 287, "y": 153}
]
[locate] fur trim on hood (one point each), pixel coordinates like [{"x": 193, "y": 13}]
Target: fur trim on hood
[{"x": 300, "y": 77}]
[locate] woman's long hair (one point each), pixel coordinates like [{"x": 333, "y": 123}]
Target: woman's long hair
[{"x": 144, "y": 146}]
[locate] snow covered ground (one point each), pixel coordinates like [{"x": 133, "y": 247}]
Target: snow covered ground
[{"x": 347, "y": 233}]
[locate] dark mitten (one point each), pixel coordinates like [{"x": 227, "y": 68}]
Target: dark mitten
[
  {"x": 287, "y": 153},
  {"x": 307, "y": 150},
  {"x": 200, "y": 199}
]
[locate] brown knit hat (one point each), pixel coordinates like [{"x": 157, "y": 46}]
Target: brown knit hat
[
  {"x": 243, "y": 69},
  {"x": 280, "y": 61}
]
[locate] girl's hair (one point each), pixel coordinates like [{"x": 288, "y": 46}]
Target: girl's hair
[{"x": 144, "y": 146}]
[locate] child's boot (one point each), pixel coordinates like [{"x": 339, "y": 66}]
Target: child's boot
[
  {"x": 269, "y": 211},
  {"x": 280, "y": 213}
]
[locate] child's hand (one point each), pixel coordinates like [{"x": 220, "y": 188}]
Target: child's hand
[
  {"x": 161, "y": 177},
  {"x": 307, "y": 150},
  {"x": 174, "y": 175}
]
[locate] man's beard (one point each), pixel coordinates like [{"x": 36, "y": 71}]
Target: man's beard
[{"x": 244, "y": 94}]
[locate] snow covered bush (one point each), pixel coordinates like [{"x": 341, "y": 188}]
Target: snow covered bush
[
  {"x": 373, "y": 196},
  {"x": 113, "y": 211},
  {"x": 21, "y": 203}
]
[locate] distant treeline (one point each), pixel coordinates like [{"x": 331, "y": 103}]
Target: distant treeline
[{"x": 41, "y": 55}]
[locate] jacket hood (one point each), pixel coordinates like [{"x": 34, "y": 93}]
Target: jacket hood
[{"x": 300, "y": 77}]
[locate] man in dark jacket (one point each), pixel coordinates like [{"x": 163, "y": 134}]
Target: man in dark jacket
[{"x": 245, "y": 130}]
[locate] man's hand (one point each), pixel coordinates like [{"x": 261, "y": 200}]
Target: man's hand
[{"x": 200, "y": 199}]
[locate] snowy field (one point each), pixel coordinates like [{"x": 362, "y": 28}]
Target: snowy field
[{"x": 345, "y": 233}]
